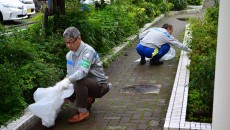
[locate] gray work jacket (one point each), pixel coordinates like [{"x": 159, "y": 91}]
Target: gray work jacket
[
  {"x": 85, "y": 62},
  {"x": 156, "y": 37}
]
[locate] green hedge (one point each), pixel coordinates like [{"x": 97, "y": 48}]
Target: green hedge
[
  {"x": 178, "y": 4},
  {"x": 202, "y": 66},
  {"x": 108, "y": 27},
  {"x": 22, "y": 70},
  {"x": 194, "y": 2}
]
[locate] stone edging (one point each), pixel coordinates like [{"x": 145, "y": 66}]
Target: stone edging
[
  {"x": 176, "y": 113},
  {"x": 25, "y": 122},
  {"x": 28, "y": 120}
]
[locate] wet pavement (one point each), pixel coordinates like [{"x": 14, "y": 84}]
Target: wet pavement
[{"x": 119, "y": 110}]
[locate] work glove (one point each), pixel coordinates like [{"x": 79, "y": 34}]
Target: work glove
[
  {"x": 155, "y": 52},
  {"x": 65, "y": 83},
  {"x": 187, "y": 49}
]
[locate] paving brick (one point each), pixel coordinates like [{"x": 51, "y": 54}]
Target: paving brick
[
  {"x": 147, "y": 114},
  {"x": 142, "y": 126}
]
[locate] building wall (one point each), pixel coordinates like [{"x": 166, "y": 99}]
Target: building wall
[{"x": 221, "y": 106}]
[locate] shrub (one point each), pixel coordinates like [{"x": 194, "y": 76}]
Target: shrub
[
  {"x": 202, "y": 66},
  {"x": 151, "y": 9},
  {"x": 11, "y": 94},
  {"x": 194, "y": 2},
  {"x": 22, "y": 71},
  {"x": 178, "y": 4}
]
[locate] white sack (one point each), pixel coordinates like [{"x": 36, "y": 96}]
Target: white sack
[
  {"x": 48, "y": 102},
  {"x": 169, "y": 55}
]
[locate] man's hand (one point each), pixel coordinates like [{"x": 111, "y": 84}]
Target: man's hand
[
  {"x": 65, "y": 83},
  {"x": 187, "y": 49}
]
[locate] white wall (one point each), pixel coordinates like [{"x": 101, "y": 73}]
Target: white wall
[{"x": 221, "y": 108}]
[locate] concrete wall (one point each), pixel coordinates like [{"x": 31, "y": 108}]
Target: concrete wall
[{"x": 221, "y": 108}]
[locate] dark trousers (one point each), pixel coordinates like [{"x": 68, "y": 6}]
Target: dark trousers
[{"x": 87, "y": 87}]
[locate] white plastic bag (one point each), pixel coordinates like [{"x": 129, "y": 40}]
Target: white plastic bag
[
  {"x": 48, "y": 102},
  {"x": 169, "y": 55}
]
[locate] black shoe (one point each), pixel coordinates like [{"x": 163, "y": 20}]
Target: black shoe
[
  {"x": 153, "y": 63},
  {"x": 143, "y": 61}
]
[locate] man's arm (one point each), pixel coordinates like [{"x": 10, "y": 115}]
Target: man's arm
[
  {"x": 83, "y": 66},
  {"x": 142, "y": 35},
  {"x": 177, "y": 44}
]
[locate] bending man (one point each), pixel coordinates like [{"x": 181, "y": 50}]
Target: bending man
[{"x": 155, "y": 43}]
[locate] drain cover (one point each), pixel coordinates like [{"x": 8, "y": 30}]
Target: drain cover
[{"x": 141, "y": 89}]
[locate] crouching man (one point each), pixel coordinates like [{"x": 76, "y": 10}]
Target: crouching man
[
  {"x": 85, "y": 72},
  {"x": 155, "y": 42}
]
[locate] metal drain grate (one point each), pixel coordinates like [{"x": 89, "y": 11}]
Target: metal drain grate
[{"x": 141, "y": 89}]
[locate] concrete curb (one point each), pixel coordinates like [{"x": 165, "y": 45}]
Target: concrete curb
[
  {"x": 176, "y": 113},
  {"x": 25, "y": 122},
  {"x": 28, "y": 120}
]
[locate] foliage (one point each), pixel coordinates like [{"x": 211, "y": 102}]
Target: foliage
[
  {"x": 11, "y": 96},
  {"x": 151, "y": 9},
  {"x": 202, "y": 66},
  {"x": 22, "y": 71},
  {"x": 178, "y": 4},
  {"x": 194, "y": 2},
  {"x": 108, "y": 26}
]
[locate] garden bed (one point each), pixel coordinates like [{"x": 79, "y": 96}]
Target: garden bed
[{"x": 176, "y": 113}]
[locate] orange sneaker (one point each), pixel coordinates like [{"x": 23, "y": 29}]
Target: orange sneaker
[{"x": 79, "y": 117}]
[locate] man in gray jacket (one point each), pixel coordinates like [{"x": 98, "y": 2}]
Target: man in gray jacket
[
  {"x": 85, "y": 72},
  {"x": 155, "y": 43}
]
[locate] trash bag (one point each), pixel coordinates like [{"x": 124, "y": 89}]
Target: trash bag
[
  {"x": 48, "y": 102},
  {"x": 169, "y": 55}
]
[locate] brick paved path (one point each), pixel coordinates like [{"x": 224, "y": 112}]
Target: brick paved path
[{"x": 120, "y": 111}]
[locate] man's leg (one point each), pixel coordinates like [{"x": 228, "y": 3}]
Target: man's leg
[
  {"x": 93, "y": 87},
  {"x": 161, "y": 52},
  {"x": 81, "y": 94},
  {"x": 140, "y": 51},
  {"x": 89, "y": 87},
  {"x": 84, "y": 89}
]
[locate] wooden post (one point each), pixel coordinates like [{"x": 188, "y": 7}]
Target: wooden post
[{"x": 46, "y": 18}]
